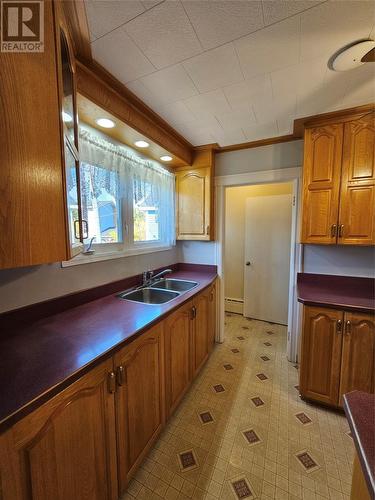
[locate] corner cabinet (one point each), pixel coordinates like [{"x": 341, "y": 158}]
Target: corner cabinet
[
  {"x": 194, "y": 198},
  {"x": 339, "y": 183},
  {"x": 66, "y": 448},
  {"x": 337, "y": 354}
]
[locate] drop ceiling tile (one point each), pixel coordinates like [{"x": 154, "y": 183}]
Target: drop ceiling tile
[
  {"x": 327, "y": 97},
  {"x": 209, "y": 103},
  {"x": 236, "y": 119},
  {"x": 216, "y": 23},
  {"x": 275, "y": 11},
  {"x": 109, "y": 51},
  {"x": 164, "y": 34},
  {"x": 229, "y": 137},
  {"x": 261, "y": 131},
  {"x": 170, "y": 84},
  {"x": 300, "y": 78},
  {"x": 268, "y": 110},
  {"x": 360, "y": 87},
  {"x": 248, "y": 91},
  {"x": 215, "y": 68},
  {"x": 148, "y": 4},
  {"x": 104, "y": 16},
  {"x": 332, "y": 25},
  {"x": 270, "y": 49},
  {"x": 196, "y": 136},
  {"x": 285, "y": 125},
  {"x": 152, "y": 100},
  {"x": 176, "y": 113}
]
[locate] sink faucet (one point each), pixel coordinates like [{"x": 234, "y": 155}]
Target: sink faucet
[
  {"x": 148, "y": 276},
  {"x": 161, "y": 274}
]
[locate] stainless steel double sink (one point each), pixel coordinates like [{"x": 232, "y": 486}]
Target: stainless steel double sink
[{"x": 160, "y": 292}]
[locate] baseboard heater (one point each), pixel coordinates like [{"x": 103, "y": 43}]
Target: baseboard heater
[{"x": 234, "y": 305}]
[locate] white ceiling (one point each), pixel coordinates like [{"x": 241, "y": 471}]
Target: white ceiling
[{"x": 237, "y": 70}]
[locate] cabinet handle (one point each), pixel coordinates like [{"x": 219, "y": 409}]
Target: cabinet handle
[
  {"x": 121, "y": 375},
  {"x": 334, "y": 230},
  {"x": 76, "y": 230},
  {"x": 211, "y": 296},
  {"x": 341, "y": 230},
  {"x": 348, "y": 327},
  {"x": 208, "y": 230},
  {"x": 339, "y": 326},
  {"x": 193, "y": 312},
  {"x": 111, "y": 382}
]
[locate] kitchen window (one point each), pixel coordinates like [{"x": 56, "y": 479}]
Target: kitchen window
[{"x": 127, "y": 200}]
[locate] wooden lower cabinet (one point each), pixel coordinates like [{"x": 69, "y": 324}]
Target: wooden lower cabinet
[
  {"x": 358, "y": 354},
  {"x": 139, "y": 399},
  {"x": 87, "y": 441},
  {"x": 321, "y": 354},
  {"x": 201, "y": 327},
  {"x": 337, "y": 354},
  {"x": 66, "y": 449},
  {"x": 212, "y": 315},
  {"x": 178, "y": 373}
]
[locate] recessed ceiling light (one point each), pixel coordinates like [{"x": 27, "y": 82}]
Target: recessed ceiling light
[
  {"x": 66, "y": 117},
  {"x": 142, "y": 144},
  {"x": 105, "y": 123},
  {"x": 166, "y": 158},
  {"x": 350, "y": 56}
]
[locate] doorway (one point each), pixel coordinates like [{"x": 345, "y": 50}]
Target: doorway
[{"x": 232, "y": 263}]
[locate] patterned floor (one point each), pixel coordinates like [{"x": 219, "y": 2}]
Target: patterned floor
[{"x": 243, "y": 432}]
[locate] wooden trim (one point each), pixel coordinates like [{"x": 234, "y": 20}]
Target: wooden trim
[
  {"x": 256, "y": 144},
  {"x": 335, "y": 117},
  {"x": 76, "y": 20}
]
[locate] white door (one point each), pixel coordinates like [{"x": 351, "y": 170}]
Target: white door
[{"x": 267, "y": 257}]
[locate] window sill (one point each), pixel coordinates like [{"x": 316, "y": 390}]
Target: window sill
[{"x": 111, "y": 255}]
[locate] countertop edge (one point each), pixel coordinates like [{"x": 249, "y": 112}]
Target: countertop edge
[
  {"x": 367, "y": 472},
  {"x": 45, "y": 396},
  {"x": 335, "y": 305}
]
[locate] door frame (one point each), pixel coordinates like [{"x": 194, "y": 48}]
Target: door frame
[{"x": 292, "y": 175}]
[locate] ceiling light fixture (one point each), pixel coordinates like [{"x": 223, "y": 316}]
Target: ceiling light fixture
[
  {"x": 166, "y": 158},
  {"x": 105, "y": 123},
  {"x": 351, "y": 56},
  {"x": 67, "y": 118},
  {"x": 141, "y": 144}
]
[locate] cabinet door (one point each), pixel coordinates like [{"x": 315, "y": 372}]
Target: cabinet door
[
  {"x": 321, "y": 354},
  {"x": 358, "y": 354},
  {"x": 357, "y": 202},
  {"x": 321, "y": 183},
  {"x": 212, "y": 314},
  {"x": 139, "y": 400},
  {"x": 193, "y": 192},
  {"x": 201, "y": 330},
  {"x": 66, "y": 449},
  {"x": 178, "y": 331}
]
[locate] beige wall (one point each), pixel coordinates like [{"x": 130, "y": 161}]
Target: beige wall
[{"x": 235, "y": 201}]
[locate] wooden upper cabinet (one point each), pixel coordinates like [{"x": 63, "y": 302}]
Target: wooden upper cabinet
[
  {"x": 139, "y": 399},
  {"x": 357, "y": 205},
  {"x": 178, "y": 341},
  {"x": 358, "y": 354},
  {"x": 321, "y": 354},
  {"x": 339, "y": 182},
  {"x": 321, "y": 183},
  {"x": 32, "y": 191},
  {"x": 194, "y": 198},
  {"x": 201, "y": 330},
  {"x": 66, "y": 448}
]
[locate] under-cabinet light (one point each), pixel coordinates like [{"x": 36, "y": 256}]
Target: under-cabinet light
[{"x": 105, "y": 123}]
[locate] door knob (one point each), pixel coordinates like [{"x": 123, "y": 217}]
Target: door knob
[{"x": 248, "y": 263}]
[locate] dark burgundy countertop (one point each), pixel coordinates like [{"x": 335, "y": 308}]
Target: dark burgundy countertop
[
  {"x": 41, "y": 357},
  {"x": 360, "y": 411},
  {"x": 344, "y": 292}
]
